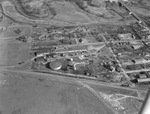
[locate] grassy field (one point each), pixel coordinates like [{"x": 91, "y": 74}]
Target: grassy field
[
  {"x": 12, "y": 31},
  {"x": 12, "y": 52},
  {"x": 31, "y": 96}
]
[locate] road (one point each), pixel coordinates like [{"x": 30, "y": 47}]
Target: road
[
  {"x": 133, "y": 13},
  {"x": 97, "y": 95},
  {"x": 123, "y": 71},
  {"x": 84, "y": 44},
  {"x": 60, "y": 76},
  {"x": 141, "y": 70},
  {"x": 111, "y": 85}
]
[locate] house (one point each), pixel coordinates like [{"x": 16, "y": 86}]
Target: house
[
  {"x": 126, "y": 36},
  {"x": 142, "y": 76},
  {"x": 136, "y": 46}
]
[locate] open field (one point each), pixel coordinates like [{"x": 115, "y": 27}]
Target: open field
[
  {"x": 13, "y": 52},
  {"x": 65, "y": 12},
  {"x": 31, "y": 96},
  {"x": 12, "y": 31}
]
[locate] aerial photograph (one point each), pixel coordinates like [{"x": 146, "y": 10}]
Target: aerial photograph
[{"x": 74, "y": 56}]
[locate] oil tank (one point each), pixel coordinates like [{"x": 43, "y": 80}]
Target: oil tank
[{"x": 55, "y": 65}]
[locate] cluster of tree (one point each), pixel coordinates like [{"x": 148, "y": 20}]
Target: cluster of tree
[{"x": 22, "y": 38}]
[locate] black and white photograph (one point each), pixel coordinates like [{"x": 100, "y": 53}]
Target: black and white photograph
[{"x": 74, "y": 56}]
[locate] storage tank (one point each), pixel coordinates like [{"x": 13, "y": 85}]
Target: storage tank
[{"x": 55, "y": 65}]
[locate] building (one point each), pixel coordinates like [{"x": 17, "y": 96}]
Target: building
[
  {"x": 136, "y": 46},
  {"x": 126, "y": 36},
  {"x": 140, "y": 80},
  {"x": 142, "y": 76}
]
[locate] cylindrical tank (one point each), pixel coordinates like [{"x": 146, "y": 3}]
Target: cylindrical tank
[{"x": 55, "y": 65}]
